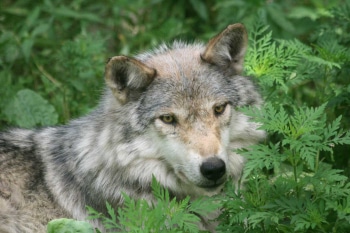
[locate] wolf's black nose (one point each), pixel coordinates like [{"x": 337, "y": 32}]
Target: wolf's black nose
[{"x": 213, "y": 168}]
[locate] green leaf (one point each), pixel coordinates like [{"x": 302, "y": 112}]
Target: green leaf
[
  {"x": 279, "y": 17},
  {"x": 271, "y": 62},
  {"x": 32, "y": 17},
  {"x": 40, "y": 29},
  {"x": 29, "y": 109},
  {"x": 304, "y": 12},
  {"x": 69, "y": 13},
  {"x": 200, "y": 8},
  {"x": 27, "y": 48},
  {"x": 65, "y": 225},
  {"x": 262, "y": 156}
]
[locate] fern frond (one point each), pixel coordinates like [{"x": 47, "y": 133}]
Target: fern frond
[
  {"x": 272, "y": 62},
  {"x": 261, "y": 156}
]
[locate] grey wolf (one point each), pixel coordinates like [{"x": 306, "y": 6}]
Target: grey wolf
[{"x": 171, "y": 113}]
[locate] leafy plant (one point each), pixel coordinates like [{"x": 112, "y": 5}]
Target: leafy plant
[
  {"x": 64, "y": 225},
  {"x": 164, "y": 215},
  {"x": 289, "y": 188}
]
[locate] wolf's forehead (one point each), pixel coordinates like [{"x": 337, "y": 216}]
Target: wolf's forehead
[
  {"x": 182, "y": 61},
  {"x": 183, "y": 80},
  {"x": 186, "y": 94}
]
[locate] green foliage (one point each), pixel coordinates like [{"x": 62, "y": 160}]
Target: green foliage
[
  {"x": 303, "y": 135},
  {"x": 289, "y": 188},
  {"x": 64, "y": 225},
  {"x": 52, "y": 55},
  {"x": 270, "y": 62},
  {"x": 289, "y": 184},
  {"x": 164, "y": 215}
]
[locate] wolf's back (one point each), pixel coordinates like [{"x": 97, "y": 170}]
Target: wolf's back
[
  {"x": 17, "y": 141},
  {"x": 25, "y": 203}
]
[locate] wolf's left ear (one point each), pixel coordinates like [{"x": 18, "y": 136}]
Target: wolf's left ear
[
  {"x": 127, "y": 77},
  {"x": 227, "y": 49}
]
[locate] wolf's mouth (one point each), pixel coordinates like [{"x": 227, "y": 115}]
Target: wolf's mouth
[
  {"x": 208, "y": 185},
  {"x": 213, "y": 185}
]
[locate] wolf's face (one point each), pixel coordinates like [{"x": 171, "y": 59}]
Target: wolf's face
[
  {"x": 186, "y": 95},
  {"x": 191, "y": 105},
  {"x": 195, "y": 138}
]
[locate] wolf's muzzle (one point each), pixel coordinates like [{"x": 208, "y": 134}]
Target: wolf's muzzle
[{"x": 213, "y": 169}]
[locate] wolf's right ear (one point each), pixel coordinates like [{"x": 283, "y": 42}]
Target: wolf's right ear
[
  {"x": 227, "y": 49},
  {"x": 127, "y": 77}
]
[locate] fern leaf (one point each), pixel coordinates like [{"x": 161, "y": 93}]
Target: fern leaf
[{"x": 261, "y": 156}]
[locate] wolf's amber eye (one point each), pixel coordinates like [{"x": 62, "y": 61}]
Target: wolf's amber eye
[
  {"x": 220, "y": 109},
  {"x": 168, "y": 119}
]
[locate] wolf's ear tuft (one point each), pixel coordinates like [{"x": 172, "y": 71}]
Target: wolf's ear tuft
[
  {"x": 127, "y": 77},
  {"x": 227, "y": 49}
]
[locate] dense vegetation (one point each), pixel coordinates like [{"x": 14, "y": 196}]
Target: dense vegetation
[{"x": 52, "y": 56}]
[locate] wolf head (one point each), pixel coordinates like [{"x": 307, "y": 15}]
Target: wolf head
[{"x": 186, "y": 98}]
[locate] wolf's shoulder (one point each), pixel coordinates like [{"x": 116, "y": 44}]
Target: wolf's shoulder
[{"x": 17, "y": 140}]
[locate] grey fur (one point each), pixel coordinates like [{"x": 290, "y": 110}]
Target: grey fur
[{"x": 55, "y": 172}]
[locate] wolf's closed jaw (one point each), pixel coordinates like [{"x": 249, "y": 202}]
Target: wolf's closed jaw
[{"x": 171, "y": 113}]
